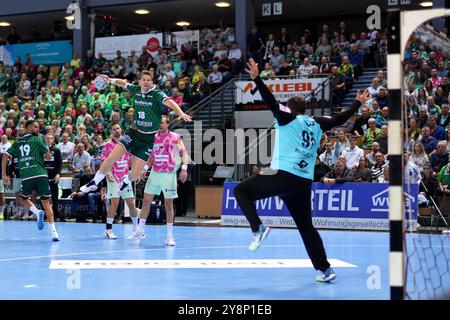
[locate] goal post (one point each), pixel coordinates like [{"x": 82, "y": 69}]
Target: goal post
[{"x": 401, "y": 25}]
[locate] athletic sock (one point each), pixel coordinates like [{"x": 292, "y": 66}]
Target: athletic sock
[
  {"x": 141, "y": 226},
  {"x": 169, "y": 230},
  {"x": 52, "y": 226},
  {"x": 109, "y": 223},
  {"x": 135, "y": 220},
  {"x": 98, "y": 177},
  {"x": 34, "y": 210},
  {"x": 126, "y": 179}
]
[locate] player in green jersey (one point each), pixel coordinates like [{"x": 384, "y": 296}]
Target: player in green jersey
[
  {"x": 30, "y": 151},
  {"x": 149, "y": 102}
]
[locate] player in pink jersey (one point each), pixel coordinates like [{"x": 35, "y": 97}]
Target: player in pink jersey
[
  {"x": 113, "y": 178},
  {"x": 168, "y": 152}
]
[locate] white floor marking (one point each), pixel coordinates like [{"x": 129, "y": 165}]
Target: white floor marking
[
  {"x": 192, "y": 264},
  {"x": 163, "y": 248}
]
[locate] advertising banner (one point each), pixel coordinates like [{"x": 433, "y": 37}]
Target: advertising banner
[
  {"x": 189, "y": 36},
  {"x": 109, "y": 45},
  {"x": 248, "y": 97},
  {"x": 51, "y": 52},
  {"x": 359, "y": 206}
]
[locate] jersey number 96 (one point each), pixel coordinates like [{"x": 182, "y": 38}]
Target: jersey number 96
[{"x": 308, "y": 139}]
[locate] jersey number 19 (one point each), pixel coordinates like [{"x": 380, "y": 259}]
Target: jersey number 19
[{"x": 24, "y": 150}]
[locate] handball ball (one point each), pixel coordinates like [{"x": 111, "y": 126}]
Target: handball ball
[{"x": 100, "y": 83}]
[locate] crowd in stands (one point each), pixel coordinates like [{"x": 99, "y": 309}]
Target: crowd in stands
[
  {"x": 340, "y": 54},
  {"x": 65, "y": 103},
  {"x": 358, "y": 151}
]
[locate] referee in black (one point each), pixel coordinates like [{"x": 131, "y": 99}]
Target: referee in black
[{"x": 54, "y": 166}]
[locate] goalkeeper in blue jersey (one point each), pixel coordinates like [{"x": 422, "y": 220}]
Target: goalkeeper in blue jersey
[{"x": 297, "y": 139}]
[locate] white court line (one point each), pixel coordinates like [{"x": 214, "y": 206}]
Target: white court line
[
  {"x": 142, "y": 250},
  {"x": 192, "y": 264}
]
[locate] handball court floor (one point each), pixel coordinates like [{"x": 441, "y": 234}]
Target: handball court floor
[{"x": 208, "y": 263}]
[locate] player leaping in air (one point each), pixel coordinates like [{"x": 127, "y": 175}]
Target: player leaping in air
[{"x": 149, "y": 103}]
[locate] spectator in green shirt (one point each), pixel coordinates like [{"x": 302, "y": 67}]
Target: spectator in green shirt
[{"x": 371, "y": 133}]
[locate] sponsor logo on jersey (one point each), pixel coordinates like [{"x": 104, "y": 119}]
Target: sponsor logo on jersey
[{"x": 143, "y": 123}]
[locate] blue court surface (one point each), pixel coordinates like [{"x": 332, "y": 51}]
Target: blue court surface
[{"x": 208, "y": 263}]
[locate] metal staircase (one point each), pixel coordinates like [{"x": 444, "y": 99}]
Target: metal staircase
[
  {"x": 363, "y": 82},
  {"x": 215, "y": 111}
]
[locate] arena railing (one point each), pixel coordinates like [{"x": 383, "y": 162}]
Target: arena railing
[{"x": 311, "y": 98}]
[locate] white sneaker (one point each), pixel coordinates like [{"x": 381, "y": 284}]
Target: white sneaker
[
  {"x": 91, "y": 186},
  {"x": 258, "y": 237},
  {"x": 326, "y": 276},
  {"x": 109, "y": 234},
  {"x": 170, "y": 241},
  {"x": 55, "y": 236},
  {"x": 136, "y": 235}
]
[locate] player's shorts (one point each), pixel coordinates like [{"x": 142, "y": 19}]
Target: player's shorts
[
  {"x": 162, "y": 181},
  {"x": 40, "y": 185},
  {"x": 138, "y": 144},
  {"x": 2, "y": 187},
  {"x": 112, "y": 191}
]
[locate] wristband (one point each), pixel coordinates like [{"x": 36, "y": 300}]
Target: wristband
[
  {"x": 146, "y": 167},
  {"x": 184, "y": 167}
]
